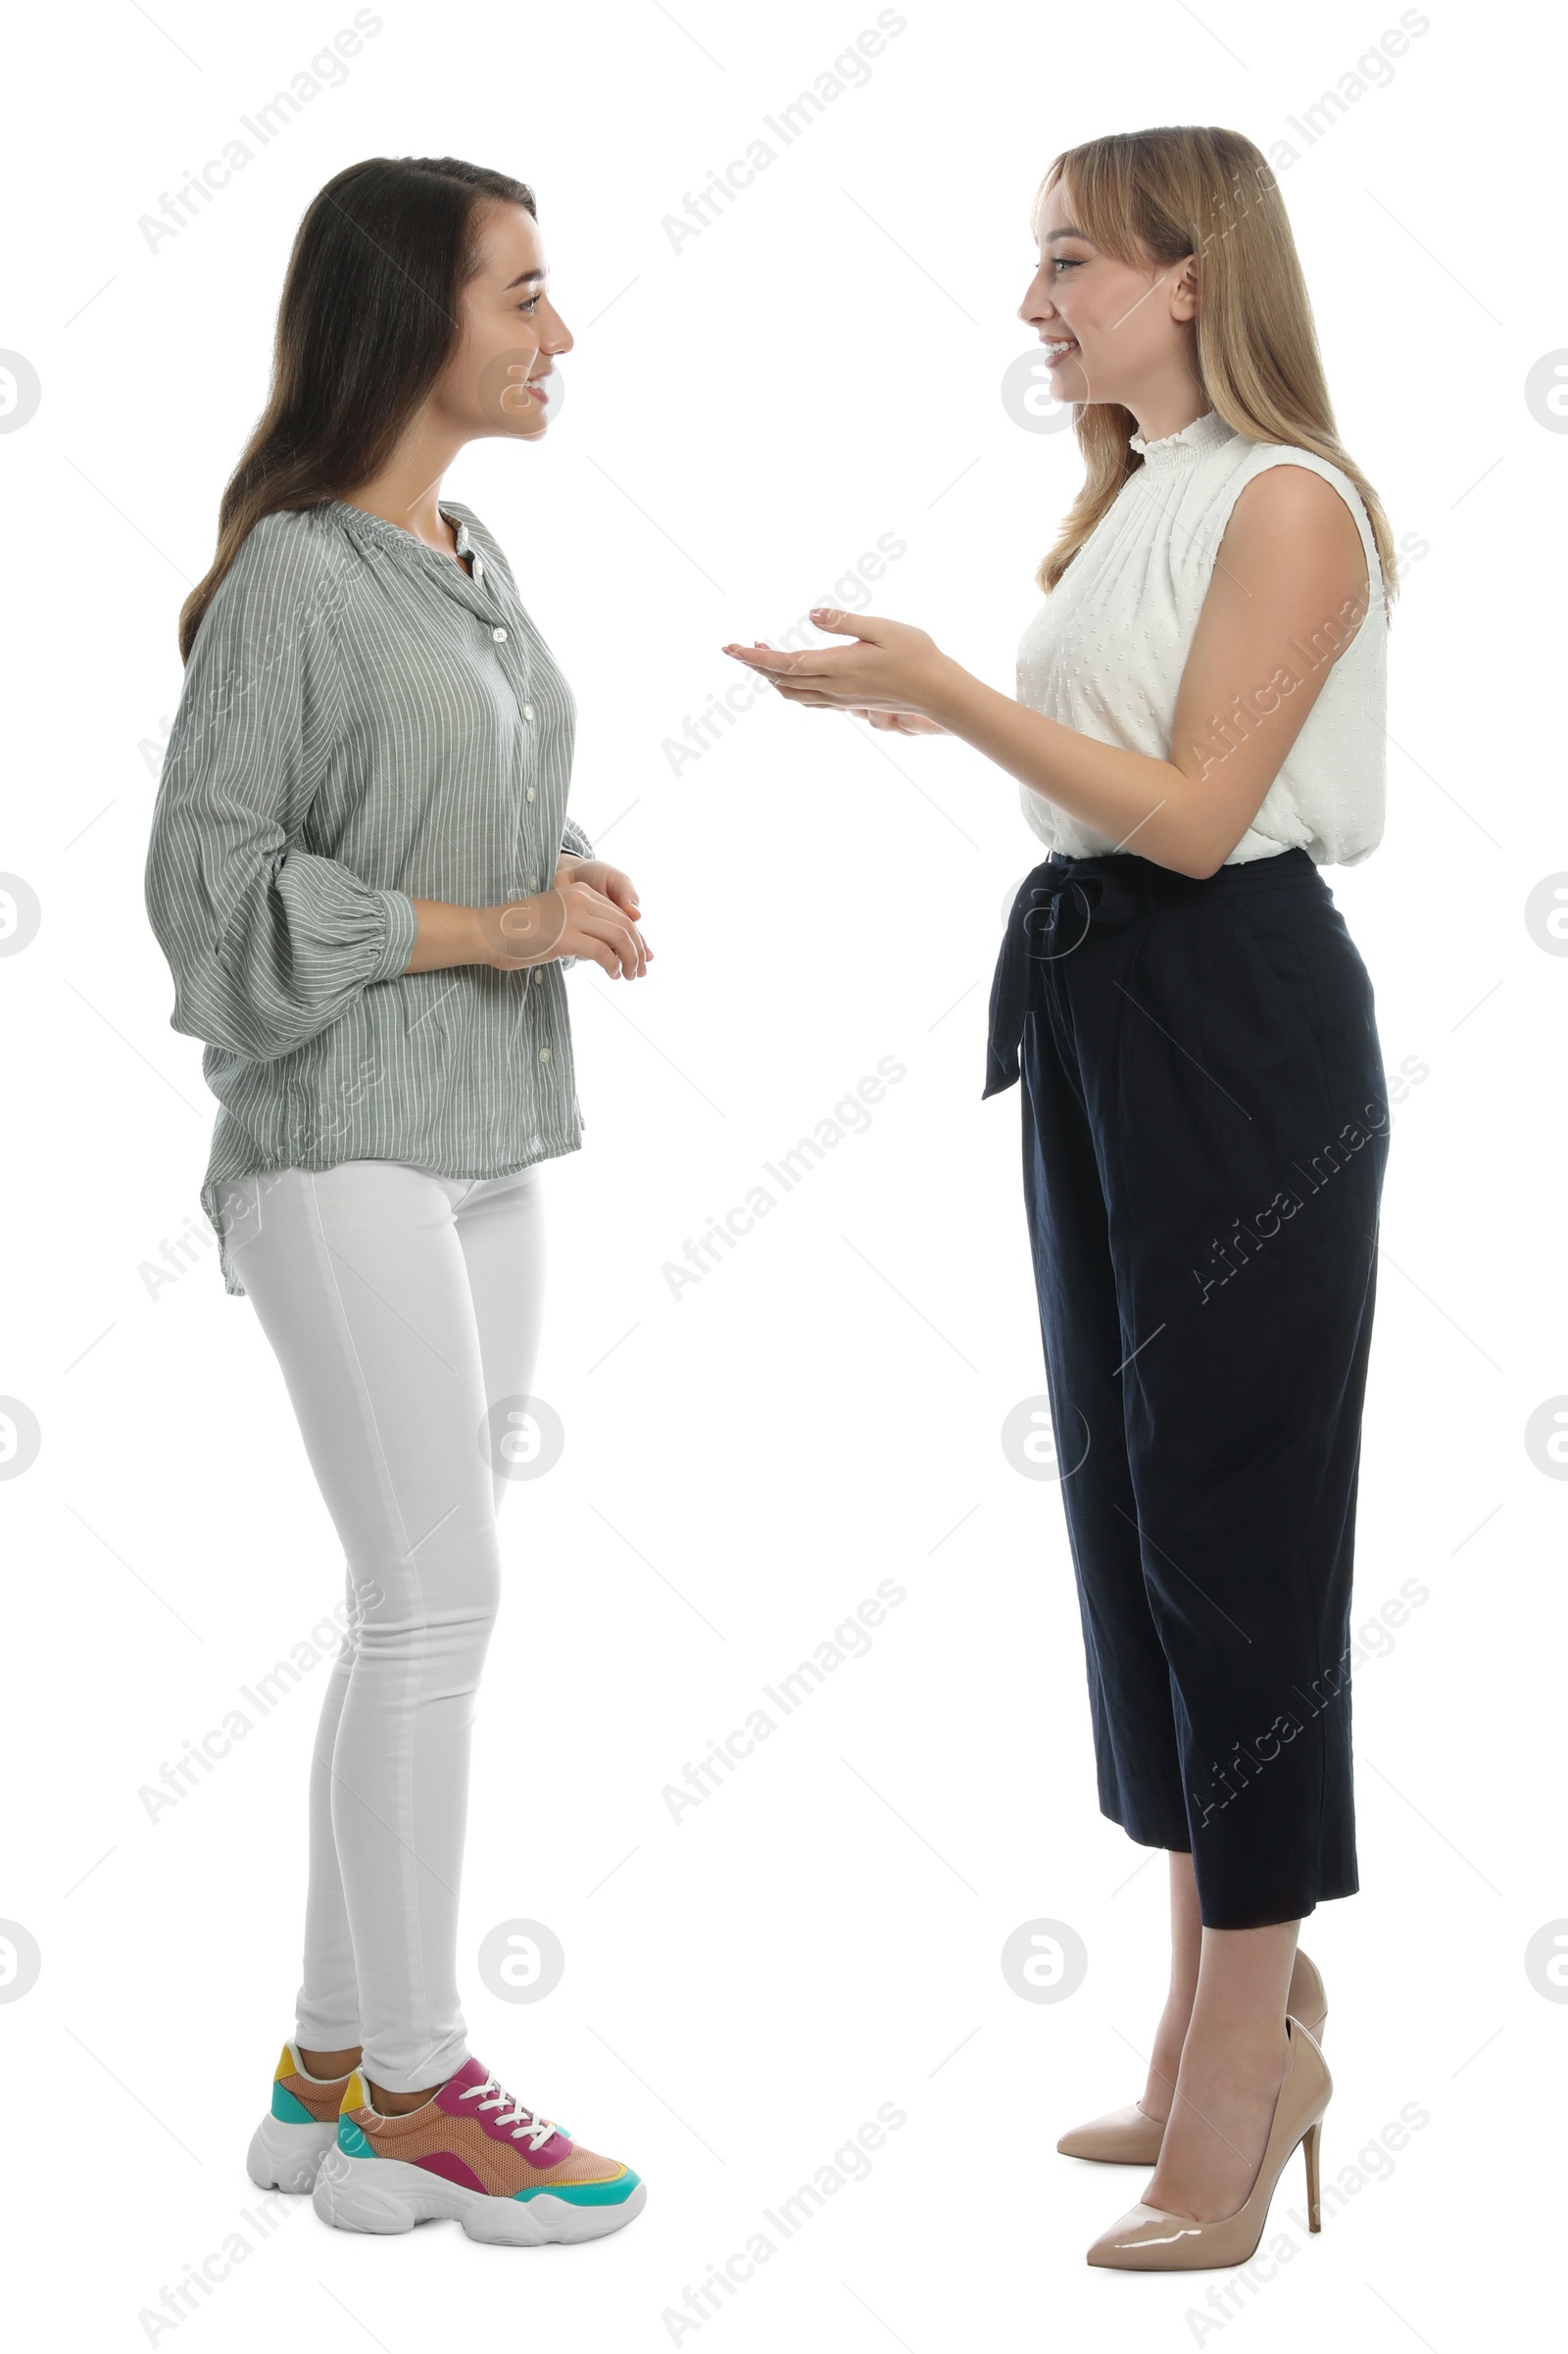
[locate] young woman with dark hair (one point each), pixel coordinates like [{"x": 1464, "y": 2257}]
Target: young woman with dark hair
[
  {"x": 1198, "y": 727},
  {"x": 364, "y": 877}
]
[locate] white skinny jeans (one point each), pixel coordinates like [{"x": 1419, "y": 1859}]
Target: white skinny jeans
[{"x": 402, "y": 1306}]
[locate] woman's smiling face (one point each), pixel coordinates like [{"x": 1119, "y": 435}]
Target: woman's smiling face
[
  {"x": 1112, "y": 330},
  {"x": 512, "y": 333}
]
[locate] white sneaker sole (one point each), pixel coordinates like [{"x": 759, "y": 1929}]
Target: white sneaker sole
[
  {"x": 387, "y": 2194},
  {"x": 288, "y": 2157}
]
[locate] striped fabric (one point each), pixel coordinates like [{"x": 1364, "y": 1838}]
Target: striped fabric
[{"x": 363, "y": 724}]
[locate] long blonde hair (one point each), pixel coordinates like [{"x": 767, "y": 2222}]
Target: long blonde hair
[{"x": 1153, "y": 197}]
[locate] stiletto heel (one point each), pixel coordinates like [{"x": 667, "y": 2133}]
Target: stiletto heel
[
  {"x": 1150, "y": 2239},
  {"x": 1130, "y": 2137},
  {"x": 1314, "y": 2207}
]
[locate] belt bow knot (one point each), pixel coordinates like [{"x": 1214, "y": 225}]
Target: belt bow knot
[{"x": 1052, "y": 915}]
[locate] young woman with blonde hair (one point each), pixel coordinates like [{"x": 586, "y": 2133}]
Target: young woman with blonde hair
[{"x": 1199, "y": 728}]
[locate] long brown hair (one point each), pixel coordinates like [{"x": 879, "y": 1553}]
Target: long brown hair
[
  {"x": 368, "y": 318},
  {"x": 1155, "y": 197}
]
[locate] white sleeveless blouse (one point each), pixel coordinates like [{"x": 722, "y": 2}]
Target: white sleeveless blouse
[{"x": 1106, "y": 651}]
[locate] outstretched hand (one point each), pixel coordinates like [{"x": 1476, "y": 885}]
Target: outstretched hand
[{"x": 891, "y": 668}]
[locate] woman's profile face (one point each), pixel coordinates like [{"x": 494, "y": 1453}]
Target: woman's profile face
[
  {"x": 1108, "y": 326},
  {"x": 510, "y": 335}
]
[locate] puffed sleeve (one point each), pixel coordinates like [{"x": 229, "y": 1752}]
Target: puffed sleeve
[{"x": 267, "y": 942}]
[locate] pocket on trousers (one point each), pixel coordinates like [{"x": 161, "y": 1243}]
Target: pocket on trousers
[{"x": 1284, "y": 961}]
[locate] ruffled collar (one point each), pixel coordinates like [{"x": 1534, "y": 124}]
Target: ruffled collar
[{"x": 1173, "y": 451}]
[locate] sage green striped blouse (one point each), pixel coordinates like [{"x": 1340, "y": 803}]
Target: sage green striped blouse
[{"x": 363, "y": 724}]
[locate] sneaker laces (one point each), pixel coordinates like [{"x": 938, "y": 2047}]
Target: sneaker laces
[{"x": 524, "y": 2123}]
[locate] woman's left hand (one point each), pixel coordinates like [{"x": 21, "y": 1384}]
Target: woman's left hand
[
  {"x": 603, "y": 877},
  {"x": 890, "y": 667}
]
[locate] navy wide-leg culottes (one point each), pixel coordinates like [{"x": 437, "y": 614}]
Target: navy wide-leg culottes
[{"x": 1204, "y": 1136}]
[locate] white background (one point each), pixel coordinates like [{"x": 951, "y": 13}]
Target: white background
[{"x": 743, "y": 418}]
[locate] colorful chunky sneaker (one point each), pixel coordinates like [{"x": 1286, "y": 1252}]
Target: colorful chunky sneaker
[
  {"x": 289, "y": 2144},
  {"x": 472, "y": 2152}
]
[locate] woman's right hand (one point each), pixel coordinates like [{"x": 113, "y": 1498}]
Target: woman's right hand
[
  {"x": 903, "y": 723},
  {"x": 571, "y": 919}
]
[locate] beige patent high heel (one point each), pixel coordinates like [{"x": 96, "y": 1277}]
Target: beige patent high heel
[
  {"x": 1148, "y": 2239},
  {"x": 1132, "y": 2138}
]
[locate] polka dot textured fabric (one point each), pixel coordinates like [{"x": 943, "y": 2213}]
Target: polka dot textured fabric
[{"x": 1105, "y": 654}]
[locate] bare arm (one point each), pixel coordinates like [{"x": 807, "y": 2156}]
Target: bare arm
[
  {"x": 446, "y": 935},
  {"x": 590, "y": 912},
  {"x": 1289, "y": 593},
  {"x": 1290, "y": 590}
]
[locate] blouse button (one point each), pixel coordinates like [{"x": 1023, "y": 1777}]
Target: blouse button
[
  {"x": 529, "y": 794},
  {"x": 538, "y": 976},
  {"x": 528, "y": 711},
  {"x": 500, "y": 636},
  {"x": 544, "y": 1054}
]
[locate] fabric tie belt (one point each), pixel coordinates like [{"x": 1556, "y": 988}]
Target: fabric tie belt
[
  {"x": 1062, "y": 901},
  {"x": 1050, "y": 917}
]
